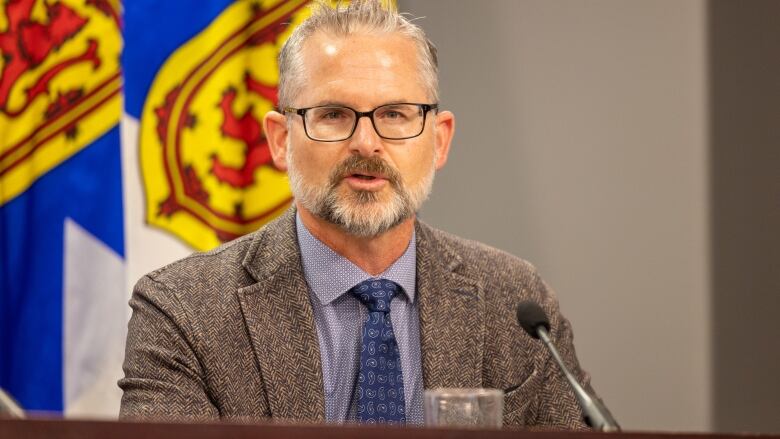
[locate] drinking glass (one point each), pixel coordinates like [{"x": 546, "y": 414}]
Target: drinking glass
[{"x": 464, "y": 407}]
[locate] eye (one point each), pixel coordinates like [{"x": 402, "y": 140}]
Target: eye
[
  {"x": 333, "y": 114},
  {"x": 330, "y": 114},
  {"x": 394, "y": 114}
]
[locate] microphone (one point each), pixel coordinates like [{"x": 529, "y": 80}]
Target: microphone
[
  {"x": 9, "y": 407},
  {"x": 533, "y": 320}
]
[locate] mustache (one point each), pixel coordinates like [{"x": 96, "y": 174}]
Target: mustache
[{"x": 365, "y": 165}]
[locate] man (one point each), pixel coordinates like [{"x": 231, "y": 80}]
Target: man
[{"x": 347, "y": 307}]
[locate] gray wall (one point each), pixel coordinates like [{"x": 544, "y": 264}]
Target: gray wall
[{"x": 584, "y": 143}]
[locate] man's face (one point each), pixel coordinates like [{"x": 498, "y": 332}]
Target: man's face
[{"x": 364, "y": 184}]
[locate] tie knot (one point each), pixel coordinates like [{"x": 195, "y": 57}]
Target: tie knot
[{"x": 376, "y": 294}]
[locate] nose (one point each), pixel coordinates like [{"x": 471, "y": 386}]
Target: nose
[{"x": 365, "y": 141}]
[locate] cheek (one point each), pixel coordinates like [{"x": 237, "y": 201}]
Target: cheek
[
  {"x": 419, "y": 165},
  {"x": 313, "y": 162}
]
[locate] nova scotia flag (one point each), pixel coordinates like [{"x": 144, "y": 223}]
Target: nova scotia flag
[{"x": 62, "y": 289}]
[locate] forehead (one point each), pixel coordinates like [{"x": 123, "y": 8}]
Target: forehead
[{"x": 362, "y": 70}]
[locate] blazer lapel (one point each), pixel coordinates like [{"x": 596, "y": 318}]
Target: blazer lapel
[
  {"x": 452, "y": 323},
  {"x": 281, "y": 325}
]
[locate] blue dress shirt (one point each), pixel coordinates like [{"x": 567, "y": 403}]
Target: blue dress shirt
[{"x": 339, "y": 319}]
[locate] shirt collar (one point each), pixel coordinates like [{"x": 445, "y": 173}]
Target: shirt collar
[{"x": 330, "y": 275}]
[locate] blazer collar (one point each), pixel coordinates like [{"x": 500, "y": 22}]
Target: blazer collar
[
  {"x": 452, "y": 307},
  {"x": 280, "y": 323}
]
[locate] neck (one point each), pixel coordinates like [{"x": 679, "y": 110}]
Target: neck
[{"x": 373, "y": 254}]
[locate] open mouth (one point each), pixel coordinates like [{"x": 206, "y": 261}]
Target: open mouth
[{"x": 366, "y": 181}]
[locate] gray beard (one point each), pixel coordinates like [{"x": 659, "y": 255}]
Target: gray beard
[{"x": 360, "y": 213}]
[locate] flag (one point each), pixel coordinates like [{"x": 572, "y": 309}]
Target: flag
[
  {"x": 61, "y": 233},
  {"x": 88, "y": 204}
]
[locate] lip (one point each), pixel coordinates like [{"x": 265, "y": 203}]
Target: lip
[{"x": 376, "y": 183}]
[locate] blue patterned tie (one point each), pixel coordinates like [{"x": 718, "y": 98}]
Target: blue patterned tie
[{"x": 380, "y": 393}]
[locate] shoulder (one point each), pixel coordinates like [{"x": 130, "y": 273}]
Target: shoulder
[
  {"x": 487, "y": 265},
  {"x": 220, "y": 266},
  {"x": 211, "y": 276},
  {"x": 198, "y": 286}
]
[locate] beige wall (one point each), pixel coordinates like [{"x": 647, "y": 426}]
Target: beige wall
[{"x": 582, "y": 146}]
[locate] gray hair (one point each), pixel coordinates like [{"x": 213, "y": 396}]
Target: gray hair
[{"x": 359, "y": 16}]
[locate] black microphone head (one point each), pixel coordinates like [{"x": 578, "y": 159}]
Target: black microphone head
[{"x": 531, "y": 316}]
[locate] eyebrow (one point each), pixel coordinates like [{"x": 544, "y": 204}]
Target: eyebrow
[{"x": 342, "y": 104}]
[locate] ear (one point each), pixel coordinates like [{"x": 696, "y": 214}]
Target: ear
[
  {"x": 275, "y": 126},
  {"x": 445, "y": 129}
]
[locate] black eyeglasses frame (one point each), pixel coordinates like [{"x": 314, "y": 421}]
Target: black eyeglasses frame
[{"x": 359, "y": 114}]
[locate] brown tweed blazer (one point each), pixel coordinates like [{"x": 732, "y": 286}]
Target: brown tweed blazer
[{"x": 230, "y": 333}]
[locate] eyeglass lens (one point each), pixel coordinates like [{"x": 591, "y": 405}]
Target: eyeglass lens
[{"x": 395, "y": 121}]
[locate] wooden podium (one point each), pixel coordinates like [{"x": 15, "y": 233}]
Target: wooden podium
[{"x": 53, "y": 429}]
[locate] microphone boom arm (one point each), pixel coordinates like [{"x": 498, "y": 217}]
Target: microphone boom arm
[{"x": 596, "y": 415}]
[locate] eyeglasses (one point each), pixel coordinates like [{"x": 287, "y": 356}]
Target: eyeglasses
[{"x": 334, "y": 123}]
